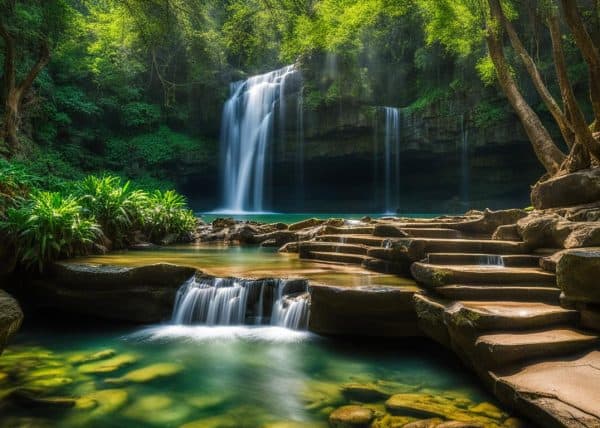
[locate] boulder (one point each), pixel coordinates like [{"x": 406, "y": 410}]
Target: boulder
[
  {"x": 554, "y": 231},
  {"x": 309, "y": 222},
  {"x": 389, "y": 230},
  {"x": 11, "y": 317},
  {"x": 571, "y": 189},
  {"x": 141, "y": 294},
  {"x": 507, "y": 232},
  {"x": 351, "y": 416},
  {"x": 577, "y": 275}
]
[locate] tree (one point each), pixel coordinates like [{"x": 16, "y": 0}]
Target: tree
[
  {"x": 496, "y": 18},
  {"x": 25, "y": 25}
]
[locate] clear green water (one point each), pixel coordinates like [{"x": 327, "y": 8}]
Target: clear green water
[
  {"x": 249, "y": 262},
  {"x": 221, "y": 377}
]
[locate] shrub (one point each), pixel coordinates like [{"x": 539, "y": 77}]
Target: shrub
[
  {"x": 114, "y": 205},
  {"x": 15, "y": 184},
  {"x": 166, "y": 213},
  {"x": 49, "y": 227}
]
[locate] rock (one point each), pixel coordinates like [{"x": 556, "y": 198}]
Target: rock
[
  {"x": 157, "y": 409},
  {"x": 489, "y": 221},
  {"x": 351, "y": 416},
  {"x": 290, "y": 247},
  {"x": 507, "y": 232},
  {"x": 571, "y": 189},
  {"x": 26, "y": 399},
  {"x": 88, "y": 358},
  {"x": 149, "y": 373},
  {"x": 110, "y": 365},
  {"x": 487, "y": 409},
  {"x": 310, "y": 222},
  {"x": 220, "y": 223},
  {"x": 169, "y": 239},
  {"x": 292, "y": 424},
  {"x": 365, "y": 393},
  {"x": 280, "y": 237},
  {"x": 425, "y": 423},
  {"x": 458, "y": 424},
  {"x": 103, "y": 402},
  {"x": 514, "y": 423},
  {"x": 246, "y": 234},
  {"x": 541, "y": 230},
  {"x": 11, "y": 317},
  {"x": 141, "y": 294},
  {"x": 365, "y": 311},
  {"x": 389, "y": 230},
  {"x": 577, "y": 275}
]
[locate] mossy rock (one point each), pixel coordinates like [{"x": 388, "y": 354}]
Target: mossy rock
[
  {"x": 103, "y": 402},
  {"x": 363, "y": 392},
  {"x": 149, "y": 373},
  {"x": 488, "y": 409},
  {"x": 89, "y": 358},
  {"x": 109, "y": 365},
  {"x": 156, "y": 409},
  {"x": 351, "y": 417},
  {"x": 207, "y": 401}
]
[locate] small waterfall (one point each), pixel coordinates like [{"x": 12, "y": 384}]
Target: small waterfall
[
  {"x": 246, "y": 134},
  {"x": 392, "y": 159},
  {"x": 464, "y": 162},
  {"x": 230, "y": 301},
  {"x": 490, "y": 260}
]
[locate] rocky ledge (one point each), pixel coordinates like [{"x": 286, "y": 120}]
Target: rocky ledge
[
  {"x": 142, "y": 294},
  {"x": 11, "y": 317}
]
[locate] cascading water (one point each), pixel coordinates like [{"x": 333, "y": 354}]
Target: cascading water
[
  {"x": 246, "y": 133},
  {"x": 392, "y": 159},
  {"x": 464, "y": 162},
  {"x": 229, "y": 301}
]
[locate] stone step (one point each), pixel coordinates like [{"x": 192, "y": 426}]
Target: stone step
[
  {"x": 349, "y": 230},
  {"x": 500, "y": 349},
  {"x": 525, "y": 293},
  {"x": 431, "y": 232},
  {"x": 325, "y": 256},
  {"x": 387, "y": 266},
  {"x": 433, "y": 276},
  {"x": 418, "y": 248},
  {"x": 330, "y": 247},
  {"x": 511, "y": 260},
  {"x": 507, "y": 315},
  {"x": 371, "y": 241}
]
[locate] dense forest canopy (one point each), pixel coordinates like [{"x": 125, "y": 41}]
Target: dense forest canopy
[{"x": 136, "y": 87}]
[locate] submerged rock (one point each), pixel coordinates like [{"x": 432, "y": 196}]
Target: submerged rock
[
  {"x": 156, "y": 409},
  {"x": 88, "y": 358},
  {"x": 149, "y": 373},
  {"x": 103, "y": 402},
  {"x": 11, "y": 317},
  {"x": 351, "y": 416},
  {"x": 365, "y": 393},
  {"x": 425, "y": 423},
  {"x": 109, "y": 365}
]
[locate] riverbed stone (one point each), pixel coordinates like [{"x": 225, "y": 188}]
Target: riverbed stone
[
  {"x": 11, "y": 317},
  {"x": 351, "y": 416},
  {"x": 91, "y": 357},
  {"x": 100, "y": 403},
  {"x": 149, "y": 373},
  {"x": 109, "y": 365},
  {"x": 577, "y": 275},
  {"x": 424, "y": 423},
  {"x": 156, "y": 409},
  {"x": 570, "y": 189},
  {"x": 141, "y": 294},
  {"x": 363, "y": 392}
]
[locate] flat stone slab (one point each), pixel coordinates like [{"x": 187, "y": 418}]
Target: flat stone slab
[
  {"x": 372, "y": 241},
  {"x": 527, "y": 293},
  {"x": 365, "y": 311},
  {"x": 439, "y": 275},
  {"x": 501, "y": 349},
  {"x": 560, "y": 392},
  {"x": 505, "y": 315},
  {"x": 418, "y": 248}
]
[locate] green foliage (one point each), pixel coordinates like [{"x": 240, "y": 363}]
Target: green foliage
[
  {"x": 114, "y": 205},
  {"x": 428, "y": 98},
  {"x": 48, "y": 227},
  {"x": 165, "y": 213},
  {"x": 486, "y": 114},
  {"x": 15, "y": 183},
  {"x": 139, "y": 114}
]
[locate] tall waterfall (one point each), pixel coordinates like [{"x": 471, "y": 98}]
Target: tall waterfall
[
  {"x": 246, "y": 134},
  {"x": 464, "y": 162},
  {"x": 230, "y": 301},
  {"x": 392, "y": 159}
]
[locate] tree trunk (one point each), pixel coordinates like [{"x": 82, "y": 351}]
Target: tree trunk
[
  {"x": 589, "y": 51},
  {"x": 546, "y": 151},
  {"x": 538, "y": 82},
  {"x": 583, "y": 134}
]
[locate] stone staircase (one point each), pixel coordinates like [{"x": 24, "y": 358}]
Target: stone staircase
[{"x": 491, "y": 302}]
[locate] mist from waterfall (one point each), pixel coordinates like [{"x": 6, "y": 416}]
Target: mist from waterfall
[
  {"x": 231, "y": 301},
  {"x": 246, "y": 136}
]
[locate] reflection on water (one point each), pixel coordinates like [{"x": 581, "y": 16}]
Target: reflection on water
[
  {"x": 249, "y": 262},
  {"x": 184, "y": 376}
]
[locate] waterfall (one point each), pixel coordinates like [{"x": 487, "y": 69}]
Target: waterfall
[
  {"x": 246, "y": 134},
  {"x": 392, "y": 159},
  {"x": 464, "y": 162},
  {"x": 300, "y": 149},
  {"x": 230, "y": 301},
  {"x": 490, "y": 260}
]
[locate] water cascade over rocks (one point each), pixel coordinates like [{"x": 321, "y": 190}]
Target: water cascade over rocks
[
  {"x": 231, "y": 301},
  {"x": 391, "y": 141},
  {"x": 249, "y": 117}
]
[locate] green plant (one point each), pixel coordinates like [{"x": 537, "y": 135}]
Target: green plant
[
  {"x": 115, "y": 206},
  {"x": 166, "y": 213},
  {"x": 49, "y": 227},
  {"x": 15, "y": 184}
]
